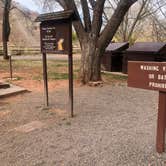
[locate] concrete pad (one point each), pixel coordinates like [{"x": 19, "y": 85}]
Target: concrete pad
[
  {"x": 13, "y": 90},
  {"x": 115, "y": 73},
  {"x": 4, "y": 85},
  {"x": 30, "y": 127}
]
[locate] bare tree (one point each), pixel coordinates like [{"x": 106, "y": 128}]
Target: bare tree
[
  {"x": 131, "y": 22},
  {"x": 92, "y": 36},
  {"x": 6, "y": 26},
  {"x": 136, "y": 18},
  {"x": 158, "y": 23}
]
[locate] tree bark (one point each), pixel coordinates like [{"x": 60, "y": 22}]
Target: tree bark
[
  {"x": 6, "y": 28},
  {"x": 5, "y": 50},
  {"x": 93, "y": 42},
  {"x": 90, "y": 69}
]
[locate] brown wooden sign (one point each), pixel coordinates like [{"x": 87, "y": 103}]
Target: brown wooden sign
[
  {"x": 147, "y": 75},
  {"x": 152, "y": 76},
  {"x": 55, "y": 37}
]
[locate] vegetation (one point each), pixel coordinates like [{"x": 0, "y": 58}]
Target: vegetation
[
  {"x": 57, "y": 70},
  {"x": 93, "y": 35}
]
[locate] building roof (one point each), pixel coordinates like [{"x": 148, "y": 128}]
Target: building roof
[
  {"x": 117, "y": 46},
  {"x": 147, "y": 47},
  {"x": 66, "y": 14}
]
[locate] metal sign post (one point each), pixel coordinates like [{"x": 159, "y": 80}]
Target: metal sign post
[{"x": 151, "y": 75}]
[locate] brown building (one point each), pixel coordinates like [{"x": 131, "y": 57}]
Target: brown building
[
  {"x": 113, "y": 57},
  {"x": 144, "y": 51}
]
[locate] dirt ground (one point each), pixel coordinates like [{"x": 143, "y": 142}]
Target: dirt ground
[{"x": 113, "y": 125}]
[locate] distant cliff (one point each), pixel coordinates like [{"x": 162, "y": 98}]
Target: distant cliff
[{"x": 24, "y": 31}]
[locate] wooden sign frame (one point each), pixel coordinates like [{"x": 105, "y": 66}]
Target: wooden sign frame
[{"x": 56, "y": 38}]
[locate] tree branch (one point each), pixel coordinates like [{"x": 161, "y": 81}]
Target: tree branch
[
  {"x": 70, "y": 4},
  {"x": 137, "y": 18},
  {"x": 63, "y": 4},
  {"x": 86, "y": 14},
  {"x": 97, "y": 18},
  {"x": 114, "y": 22},
  {"x": 93, "y": 3}
]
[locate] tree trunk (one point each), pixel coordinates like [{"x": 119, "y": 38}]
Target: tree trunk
[
  {"x": 90, "y": 63},
  {"x": 5, "y": 50},
  {"x": 6, "y": 27}
]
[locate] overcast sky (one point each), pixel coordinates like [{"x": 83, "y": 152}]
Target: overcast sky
[{"x": 29, "y": 4}]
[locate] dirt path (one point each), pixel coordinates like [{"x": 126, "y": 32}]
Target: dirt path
[{"x": 114, "y": 125}]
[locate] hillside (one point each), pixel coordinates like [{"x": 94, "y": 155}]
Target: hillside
[{"x": 24, "y": 31}]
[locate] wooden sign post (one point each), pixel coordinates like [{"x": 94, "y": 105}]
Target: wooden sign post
[
  {"x": 152, "y": 76},
  {"x": 56, "y": 38}
]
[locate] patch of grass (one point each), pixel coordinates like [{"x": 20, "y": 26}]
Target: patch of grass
[
  {"x": 54, "y": 65},
  {"x": 57, "y": 70},
  {"x": 15, "y": 78},
  {"x": 76, "y": 70},
  {"x": 54, "y": 76},
  {"x": 4, "y": 65},
  {"x": 38, "y": 78},
  {"x": 26, "y": 63},
  {"x": 114, "y": 77},
  {"x": 57, "y": 76},
  {"x": 68, "y": 123}
]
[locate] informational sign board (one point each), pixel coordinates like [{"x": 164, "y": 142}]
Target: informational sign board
[
  {"x": 147, "y": 75},
  {"x": 55, "y": 37},
  {"x": 152, "y": 76}
]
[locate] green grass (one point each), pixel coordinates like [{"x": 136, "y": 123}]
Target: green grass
[
  {"x": 114, "y": 77},
  {"x": 57, "y": 70},
  {"x": 58, "y": 76},
  {"x": 54, "y": 76}
]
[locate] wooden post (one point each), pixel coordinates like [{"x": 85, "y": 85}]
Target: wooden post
[
  {"x": 45, "y": 79},
  {"x": 10, "y": 67},
  {"x": 70, "y": 57},
  {"x": 161, "y": 123}
]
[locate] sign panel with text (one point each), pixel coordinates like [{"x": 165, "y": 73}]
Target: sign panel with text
[
  {"x": 55, "y": 37},
  {"x": 147, "y": 75}
]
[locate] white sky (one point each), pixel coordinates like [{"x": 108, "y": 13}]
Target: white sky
[{"x": 30, "y": 4}]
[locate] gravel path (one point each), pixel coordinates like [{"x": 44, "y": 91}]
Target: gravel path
[{"x": 113, "y": 126}]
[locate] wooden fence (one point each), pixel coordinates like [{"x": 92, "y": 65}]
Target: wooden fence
[{"x": 31, "y": 50}]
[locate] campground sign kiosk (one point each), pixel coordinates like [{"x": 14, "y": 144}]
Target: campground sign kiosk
[
  {"x": 152, "y": 76},
  {"x": 56, "y": 38}
]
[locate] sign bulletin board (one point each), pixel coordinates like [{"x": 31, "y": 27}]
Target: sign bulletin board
[
  {"x": 55, "y": 37},
  {"x": 147, "y": 75}
]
